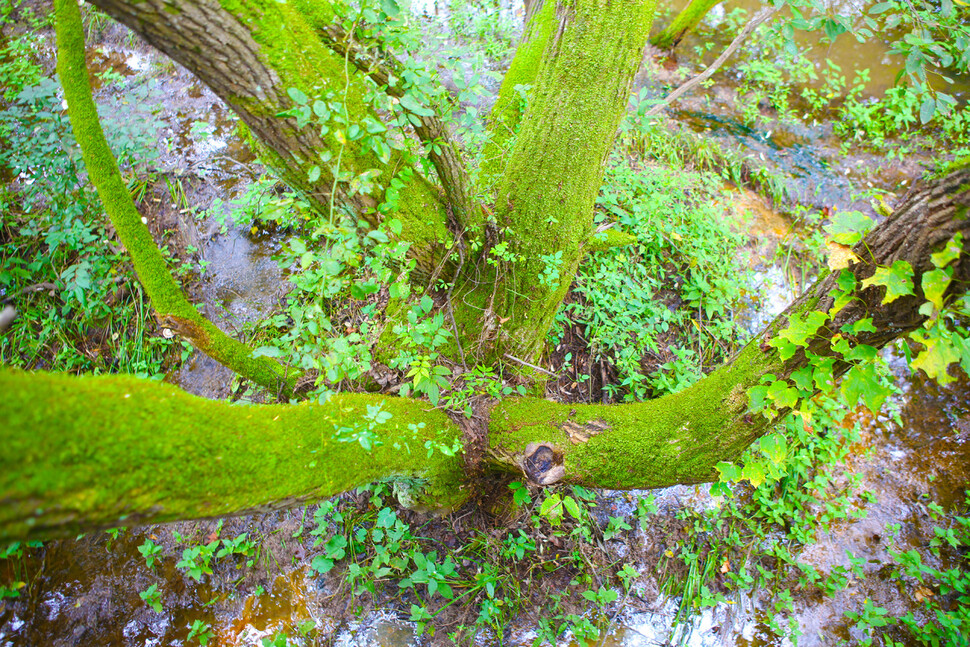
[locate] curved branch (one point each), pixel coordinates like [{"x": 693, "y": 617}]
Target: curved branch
[
  {"x": 250, "y": 54},
  {"x": 681, "y": 437},
  {"x": 172, "y": 308}
]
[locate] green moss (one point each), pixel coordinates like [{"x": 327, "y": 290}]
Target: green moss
[
  {"x": 504, "y": 119},
  {"x": 609, "y": 239},
  {"x": 685, "y": 21},
  {"x": 675, "y": 439},
  {"x": 290, "y": 47},
  {"x": 165, "y": 294},
  {"x": 549, "y": 185},
  {"x": 89, "y": 452}
]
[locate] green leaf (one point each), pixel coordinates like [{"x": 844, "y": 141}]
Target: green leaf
[
  {"x": 783, "y": 395},
  {"x": 862, "y": 383},
  {"x": 313, "y": 175},
  {"x": 411, "y": 104},
  {"x": 775, "y": 447},
  {"x": 863, "y": 325},
  {"x": 934, "y": 284},
  {"x": 572, "y": 508},
  {"x": 949, "y": 253},
  {"x": 391, "y": 8},
  {"x": 803, "y": 379},
  {"x": 800, "y": 329},
  {"x": 297, "y": 96},
  {"x": 897, "y": 279},
  {"x": 849, "y": 227},
  {"x": 927, "y": 110},
  {"x": 266, "y": 351},
  {"x": 754, "y": 471},
  {"x": 729, "y": 471},
  {"x": 939, "y": 353}
]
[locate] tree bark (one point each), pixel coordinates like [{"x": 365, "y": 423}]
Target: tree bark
[
  {"x": 250, "y": 54},
  {"x": 85, "y": 453},
  {"x": 549, "y": 182},
  {"x": 679, "y": 438}
]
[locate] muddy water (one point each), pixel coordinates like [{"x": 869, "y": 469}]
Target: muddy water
[{"x": 819, "y": 170}]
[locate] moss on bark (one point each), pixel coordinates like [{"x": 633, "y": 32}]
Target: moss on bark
[
  {"x": 549, "y": 185},
  {"x": 170, "y": 304},
  {"x": 688, "y": 19},
  {"x": 94, "y": 452}
]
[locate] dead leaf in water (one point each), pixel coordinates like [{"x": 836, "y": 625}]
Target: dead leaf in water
[{"x": 922, "y": 593}]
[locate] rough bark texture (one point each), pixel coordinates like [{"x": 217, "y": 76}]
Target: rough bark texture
[
  {"x": 250, "y": 54},
  {"x": 689, "y": 17}
]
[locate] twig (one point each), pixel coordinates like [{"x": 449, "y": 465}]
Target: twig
[
  {"x": 533, "y": 366},
  {"x": 755, "y": 21}
]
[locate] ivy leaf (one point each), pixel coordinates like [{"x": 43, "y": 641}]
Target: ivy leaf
[
  {"x": 801, "y": 328},
  {"x": 775, "y": 448},
  {"x": 940, "y": 352},
  {"x": 949, "y": 253},
  {"x": 782, "y": 394},
  {"x": 897, "y": 279},
  {"x": 935, "y": 283},
  {"x": 848, "y": 227},
  {"x": 803, "y": 379},
  {"x": 754, "y": 471},
  {"x": 862, "y": 383},
  {"x": 846, "y": 285},
  {"x": 863, "y": 325},
  {"x": 729, "y": 471}
]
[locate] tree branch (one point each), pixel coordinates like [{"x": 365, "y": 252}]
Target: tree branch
[
  {"x": 756, "y": 20},
  {"x": 445, "y": 153},
  {"x": 88, "y": 453},
  {"x": 679, "y": 438},
  {"x": 171, "y": 307}
]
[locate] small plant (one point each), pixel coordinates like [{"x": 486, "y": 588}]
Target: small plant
[
  {"x": 196, "y": 560},
  {"x": 201, "y": 632},
  {"x": 152, "y": 597},
  {"x": 150, "y": 551}
]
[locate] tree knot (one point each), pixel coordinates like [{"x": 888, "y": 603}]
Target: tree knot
[{"x": 543, "y": 463}]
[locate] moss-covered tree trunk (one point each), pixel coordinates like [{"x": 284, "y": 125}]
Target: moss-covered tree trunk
[
  {"x": 685, "y": 21},
  {"x": 578, "y": 60},
  {"x": 84, "y": 453}
]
